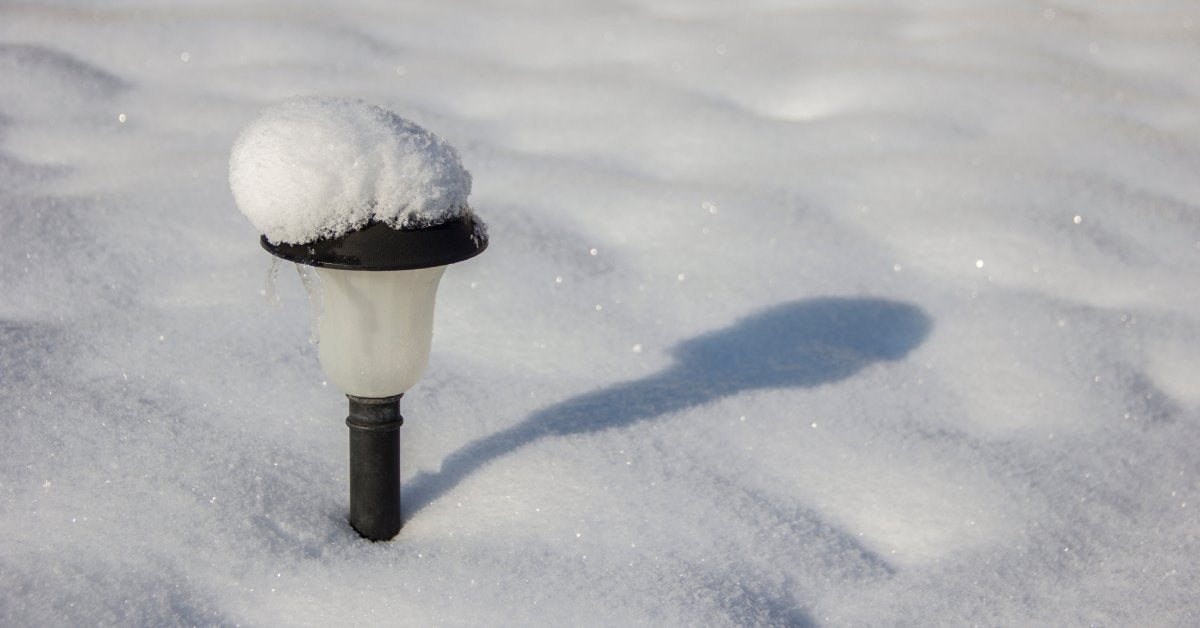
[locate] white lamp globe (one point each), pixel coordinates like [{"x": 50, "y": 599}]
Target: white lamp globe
[
  {"x": 376, "y": 328},
  {"x": 378, "y": 286}
]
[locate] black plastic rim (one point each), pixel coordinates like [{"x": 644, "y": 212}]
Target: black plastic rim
[{"x": 377, "y": 246}]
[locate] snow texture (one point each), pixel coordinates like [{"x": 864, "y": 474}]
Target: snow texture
[
  {"x": 313, "y": 167},
  {"x": 796, "y": 313}
]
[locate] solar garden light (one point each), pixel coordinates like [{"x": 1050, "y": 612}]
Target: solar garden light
[{"x": 378, "y": 278}]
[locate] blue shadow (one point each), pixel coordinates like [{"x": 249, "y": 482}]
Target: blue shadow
[{"x": 800, "y": 344}]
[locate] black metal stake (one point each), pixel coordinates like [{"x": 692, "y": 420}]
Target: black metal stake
[{"x": 375, "y": 466}]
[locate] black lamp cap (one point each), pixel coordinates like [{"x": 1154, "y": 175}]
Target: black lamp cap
[{"x": 377, "y": 246}]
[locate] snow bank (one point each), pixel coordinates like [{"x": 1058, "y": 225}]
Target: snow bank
[{"x": 313, "y": 167}]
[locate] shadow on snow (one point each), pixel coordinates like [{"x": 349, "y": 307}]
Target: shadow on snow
[{"x": 800, "y": 344}]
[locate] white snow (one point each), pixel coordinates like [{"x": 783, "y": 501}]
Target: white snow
[
  {"x": 781, "y": 392},
  {"x": 313, "y": 167}
]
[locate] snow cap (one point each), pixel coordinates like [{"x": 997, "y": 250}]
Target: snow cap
[{"x": 310, "y": 168}]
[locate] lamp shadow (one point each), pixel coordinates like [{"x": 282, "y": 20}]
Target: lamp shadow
[{"x": 800, "y": 344}]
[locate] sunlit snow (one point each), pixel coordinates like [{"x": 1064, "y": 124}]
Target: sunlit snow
[{"x": 802, "y": 313}]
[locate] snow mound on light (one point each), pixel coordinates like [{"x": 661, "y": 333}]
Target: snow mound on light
[{"x": 313, "y": 167}]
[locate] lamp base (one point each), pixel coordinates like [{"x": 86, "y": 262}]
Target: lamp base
[{"x": 375, "y": 466}]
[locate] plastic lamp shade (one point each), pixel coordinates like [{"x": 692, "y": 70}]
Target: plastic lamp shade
[
  {"x": 377, "y": 328},
  {"x": 377, "y": 290},
  {"x": 378, "y": 286}
]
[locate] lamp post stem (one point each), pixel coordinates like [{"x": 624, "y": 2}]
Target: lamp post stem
[{"x": 375, "y": 466}]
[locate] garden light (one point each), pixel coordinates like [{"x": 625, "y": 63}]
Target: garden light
[{"x": 378, "y": 206}]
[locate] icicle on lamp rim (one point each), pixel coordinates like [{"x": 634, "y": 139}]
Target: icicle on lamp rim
[{"x": 379, "y": 247}]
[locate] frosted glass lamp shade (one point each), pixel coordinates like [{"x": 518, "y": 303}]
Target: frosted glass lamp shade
[
  {"x": 376, "y": 328},
  {"x": 377, "y": 290}
]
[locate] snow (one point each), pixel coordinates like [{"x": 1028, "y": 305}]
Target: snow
[
  {"x": 313, "y": 167},
  {"x": 782, "y": 390}
]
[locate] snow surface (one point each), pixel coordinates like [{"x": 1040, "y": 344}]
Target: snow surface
[
  {"x": 801, "y": 313},
  {"x": 312, "y": 167}
]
